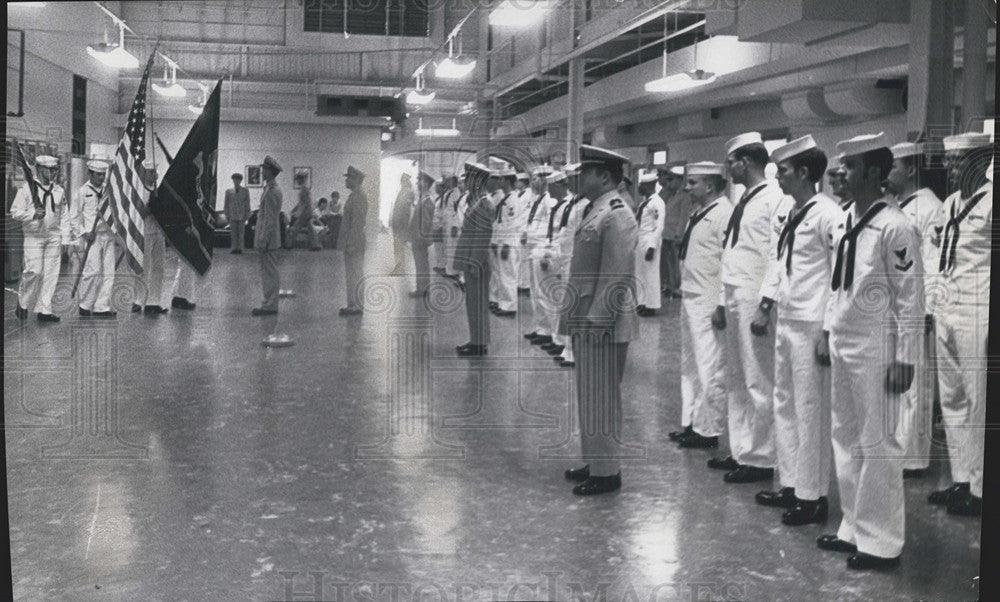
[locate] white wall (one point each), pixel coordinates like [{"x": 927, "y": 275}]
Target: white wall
[
  {"x": 328, "y": 149},
  {"x": 52, "y": 57}
]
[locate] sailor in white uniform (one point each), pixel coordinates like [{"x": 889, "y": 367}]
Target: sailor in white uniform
[
  {"x": 45, "y": 220},
  {"x": 703, "y": 371},
  {"x": 874, "y": 318},
  {"x": 525, "y": 194},
  {"x": 925, "y": 211},
  {"x": 748, "y": 275},
  {"x": 505, "y": 245},
  {"x": 650, "y": 216},
  {"x": 568, "y": 221},
  {"x": 962, "y": 314},
  {"x": 801, "y": 382},
  {"x": 534, "y": 239},
  {"x": 98, "y": 274}
]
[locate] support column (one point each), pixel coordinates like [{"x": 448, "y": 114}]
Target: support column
[
  {"x": 574, "y": 121},
  {"x": 973, "y": 64},
  {"x": 931, "y": 73}
]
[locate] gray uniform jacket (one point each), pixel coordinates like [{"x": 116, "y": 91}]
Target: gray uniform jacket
[
  {"x": 352, "y": 226},
  {"x": 267, "y": 234},
  {"x": 237, "y": 205},
  {"x": 602, "y": 270},
  {"x": 422, "y": 222},
  {"x": 472, "y": 251}
]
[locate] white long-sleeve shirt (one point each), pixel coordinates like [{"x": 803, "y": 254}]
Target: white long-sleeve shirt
[
  {"x": 505, "y": 225},
  {"x": 651, "y": 213},
  {"x": 804, "y": 281},
  {"x": 925, "y": 211},
  {"x": 569, "y": 224},
  {"x": 537, "y": 224},
  {"x": 751, "y": 261},
  {"x": 885, "y": 298},
  {"x": 56, "y": 223},
  {"x": 701, "y": 267},
  {"x": 87, "y": 204},
  {"x": 967, "y": 280}
]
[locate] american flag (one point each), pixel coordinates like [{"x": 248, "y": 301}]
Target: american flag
[
  {"x": 127, "y": 195},
  {"x": 29, "y": 175}
]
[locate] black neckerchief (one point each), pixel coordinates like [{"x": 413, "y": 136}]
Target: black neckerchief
[
  {"x": 692, "y": 222},
  {"x": 568, "y": 210},
  {"x": 552, "y": 216},
  {"x": 949, "y": 241},
  {"x": 843, "y": 271},
  {"x": 907, "y": 200},
  {"x": 847, "y": 206},
  {"x": 499, "y": 214},
  {"x": 737, "y": 217},
  {"x": 47, "y": 195},
  {"x": 638, "y": 213},
  {"x": 788, "y": 235},
  {"x": 534, "y": 208}
]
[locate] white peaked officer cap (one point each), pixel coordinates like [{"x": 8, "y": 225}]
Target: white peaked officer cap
[
  {"x": 97, "y": 165},
  {"x": 46, "y": 161},
  {"x": 967, "y": 141},
  {"x": 646, "y": 177},
  {"x": 862, "y": 144},
  {"x": 794, "y": 148},
  {"x": 555, "y": 177},
  {"x": 705, "y": 168},
  {"x": 743, "y": 140},
  {"x": 907, "y": 149}
]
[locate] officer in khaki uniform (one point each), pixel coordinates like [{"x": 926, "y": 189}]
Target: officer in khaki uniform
[
  {"x": 267, "y": 238},
  {"x": 601, "y": 317},
  {"x": 352, "y": 233}
]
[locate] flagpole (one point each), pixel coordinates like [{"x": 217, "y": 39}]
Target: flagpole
[{"x": 90, "y": 243}]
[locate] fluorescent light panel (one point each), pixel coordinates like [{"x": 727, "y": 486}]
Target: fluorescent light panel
[
  {"x": 455, "y": 67},
  {"x": 519, "y": 13}
]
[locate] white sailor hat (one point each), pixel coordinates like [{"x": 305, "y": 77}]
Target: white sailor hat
[
  {"x": 555, "y": 177},
  {"x": 97, "y": 165},
  {"x": 503, "y": 172},
  {"x": 571, "y": 168},
  {"x": 989, "y": 126},
  {"x": 907, "y": 149},
  {"x": 645, "y": 177},
  {"x": 967, "y": 141},
  {"x": 46, "y": 161},
  {"x": 862, "y": 144},
  {"x": 705, "y": 168},
  {"x": 743, "y": 140},
  {"x": 793, "y": 148},
  {"x": 522, "y": 175},
  {"x": 541, "y": 170}
]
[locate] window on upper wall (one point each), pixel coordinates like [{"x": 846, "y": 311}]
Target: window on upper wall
[{"x": 368, "y": 17}]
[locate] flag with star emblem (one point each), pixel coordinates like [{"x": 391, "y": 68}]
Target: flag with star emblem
[
  {"x": 126, "y": 193},
  {"x": 185, "y": 197}
]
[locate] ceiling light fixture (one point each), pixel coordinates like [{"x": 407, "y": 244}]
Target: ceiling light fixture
[
  {"x": 519, "y": 14},
  {"x": 114, "y": 55},
  {"x": 418, "y": 96},
  {"x": 680, "y": 81},
  {"x": 197, "y": 108},
  {"x": 451, "y": 132},
  {"x": 170, "y": 86},
  {"x": 455, "y": 67}
]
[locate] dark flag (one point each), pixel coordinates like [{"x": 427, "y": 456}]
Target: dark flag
[
  {"x": 182, "y": 203},
  {"x": 29, "y": 175}
]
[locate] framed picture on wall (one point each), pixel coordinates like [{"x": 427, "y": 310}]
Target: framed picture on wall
[
  {"x": 253, "y": 177},
  {"x": 302, "y": 177}
]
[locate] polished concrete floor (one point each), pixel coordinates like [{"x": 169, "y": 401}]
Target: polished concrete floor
[{"x": 176, "y": 458}]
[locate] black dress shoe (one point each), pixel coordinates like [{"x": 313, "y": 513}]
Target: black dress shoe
[
  {"x": 461, "y": 347},
  {"x": 505, "y": 314},
  {"x": 47, "y": 317},
  {"x": 944, "y": 496},
  {"x": 136, "y": 308},
  {"x": 597, "y": 485},
  {"x": 578, "y": 475},
  {"x": 914, "y": 473},
  {"x": 181, "y": 303},
  {"x": 155, "y": 309},
  {"x": 531, "y": 336},
  {"x": 968, "y": 505},
  {"x": 784, "y": 498},
  {"x": 350, "y": 311},
  {"x": 566, "y": 364},
  {"x": 555, "y": 350},
  {"x": 831, "y": 543},
  {"x": 696, "y": 441},
  {"x": 727, "y": 463},
  {"x": 494, "y": 305},
  {"x": 84, "y": 313},
  {"x": 105, "y": 314},
  {"x": 21, "y": 313},
  {"x": 647, "y": 312},
  {"x": 675, "y": 435},
  {"x": 805, "y": 512},
  {"x": 676, "y": 295},
  {"x": 417, "y": 294},
  {"x": 543, "y": 339},
  {"x": 259, "y": 311},
  {"x": 472, "y": 351},
  {"x": 548, "y": 346},
  {"x": 859, "y": 561},
  {"x": 748, "y": 474},
  {"x": 558, "y": 358},
  {"x": 639, "y": 309}
]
